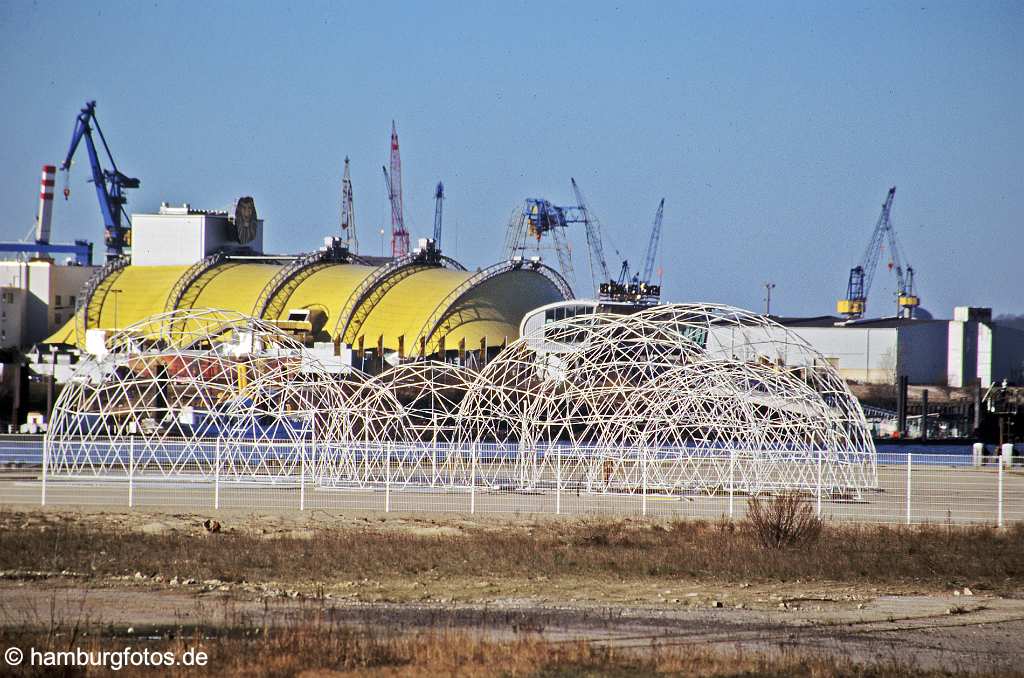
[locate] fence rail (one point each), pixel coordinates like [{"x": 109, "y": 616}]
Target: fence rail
[{"x": 911, "y": 488}]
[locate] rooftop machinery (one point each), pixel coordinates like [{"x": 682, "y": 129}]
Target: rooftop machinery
[
  {"x": 110, "y": 184},
  {"x": 854, "y": 305}
]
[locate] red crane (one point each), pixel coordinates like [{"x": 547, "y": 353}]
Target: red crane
[{"x": 399, "y": 236}]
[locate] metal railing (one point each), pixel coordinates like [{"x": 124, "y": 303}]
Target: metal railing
[{"x": 907, "y": 488}]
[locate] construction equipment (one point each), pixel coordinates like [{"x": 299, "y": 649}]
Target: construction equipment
[
  {"x": 854, "y": 305},
  {"x": 595, "y": 248},
  {"x": 399, "y": 236},
  {"x": 652, "y": 245},
  {"x": 348, "y": 213},
  {"x": 540, "y": 226},
  {"x": 438, "y": 204},
  {"x": 110, "y": 184},
  {"x": 81, "y": 249}
]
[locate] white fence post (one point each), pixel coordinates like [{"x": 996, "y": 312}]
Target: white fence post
[
  {"x": 302, "y": 476},
  {"x": 558, "y": 479},
  {"x": 216, "y": 476},
  {"x": 46, "y": 463},
  {"x": 910, "y": 464},
  {"x": 820, "y": 489},
  {"x": 472, "y": 479},
  {"x": 131, "y": 471},
  {"x": 999, "y": 500},
  {"x": 732, "y": 480},
  {"x": 387, "y": 478},
  {"x": 643, "y": 504}
]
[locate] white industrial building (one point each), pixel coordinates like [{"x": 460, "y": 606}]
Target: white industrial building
[
  {"x": 954, "y": 352},
  {"x": 181, "y": 236},
  {"x": 36, "y": 298}
]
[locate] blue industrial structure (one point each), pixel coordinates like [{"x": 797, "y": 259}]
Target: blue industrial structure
[{"x": 110, "y": 184}]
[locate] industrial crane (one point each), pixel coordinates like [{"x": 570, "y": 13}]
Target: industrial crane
[
  {"x": 854, "y": 305},
  {"x": 438, "y": 204},
  {"x": 348, "y": 212},
  {"x": 615, "y": 289},
  {"x": 110, "y": 184},
  {"x": 595, "y": 247},
  {"x": 399, "y": 236},
  {"x": 652, "y": 245}
]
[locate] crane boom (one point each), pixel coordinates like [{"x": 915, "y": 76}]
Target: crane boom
[
  {"x": 854, "y": 305},
  {"x": 110, "y": 184},
  {"x": 652, "y": 246},
  {"x": 593, "y": 229},
  {"x": 438, "y": 204}
]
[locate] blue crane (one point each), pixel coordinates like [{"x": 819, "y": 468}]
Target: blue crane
[
  {"x": 110, "y": 184},
  {"x": 438, "y": 202}
]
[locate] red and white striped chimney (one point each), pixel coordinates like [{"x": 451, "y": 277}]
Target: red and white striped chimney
[{"x": 45, "y": 204}]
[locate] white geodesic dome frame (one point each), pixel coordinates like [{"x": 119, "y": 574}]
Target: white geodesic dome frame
[
  {"x": 682, "y": 398},
  {"x": 176, "y": 390}
]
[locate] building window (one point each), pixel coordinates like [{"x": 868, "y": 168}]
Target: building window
[
  {"x": 71, "y": 300},
  {"x": 57, "y": 318},
  {"x": 56, "y": 300}
]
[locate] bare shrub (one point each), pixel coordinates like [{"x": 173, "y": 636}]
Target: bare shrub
[{"x": 783, "y": 521}]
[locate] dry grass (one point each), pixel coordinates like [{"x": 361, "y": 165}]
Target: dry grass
[
  {"x": 783, "y": 521},
  {"x": 622, "y": 549},
  {"x": 330, "y": 649}
]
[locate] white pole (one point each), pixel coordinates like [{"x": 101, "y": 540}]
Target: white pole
[
  {"x": 46, "y": 454},
  {"x": 999, "y": 513},
  {"x": 131, "y": 472},
  {"x": 732, "y": 481},
  {"x": 910, "y": 466},
  {"x": 302, "y": 476},
  {"x": 216, "y": 476},
  {"x": 558, "y": 479},
  {"x": 387, "y": 478},
  {"x": 643, "y": 504},
  {"x": 472, "y": 480},
  {"x": 819, "y": 483}
]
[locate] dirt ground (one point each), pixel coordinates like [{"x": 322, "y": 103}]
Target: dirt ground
[{"x": 936, "y": 628}]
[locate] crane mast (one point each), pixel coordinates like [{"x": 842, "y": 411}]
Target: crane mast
[
  {"x": 652, "y": 246},
  {"x": 348, "y": 213},
  {"x": 399, "y": 236},
  {"x": 438, "y": 205},
  {"x": 110, "y": 184}
]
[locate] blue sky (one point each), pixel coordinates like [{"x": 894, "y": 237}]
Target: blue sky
[{"x": 773, "y": 130}]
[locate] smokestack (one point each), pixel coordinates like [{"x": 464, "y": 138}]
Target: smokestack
[{"x": 45, "y": 205}]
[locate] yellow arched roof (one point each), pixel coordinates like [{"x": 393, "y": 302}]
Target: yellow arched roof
[{"x": 491, "y": 309}]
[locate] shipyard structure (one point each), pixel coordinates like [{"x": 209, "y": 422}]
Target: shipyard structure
[{"x": 385, "y": 309}]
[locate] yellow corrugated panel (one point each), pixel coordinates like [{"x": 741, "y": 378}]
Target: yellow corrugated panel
[
  {"x": 144, "y": 292},
  {"x": 492, "y": 309},
  {"x": 64, "y": 335},
  {"x": 233, "y": 286},
  {"x": 327, "y": 290},
  {"x": 495, "y": 308},
  {"x": 406, "y": 306}
]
